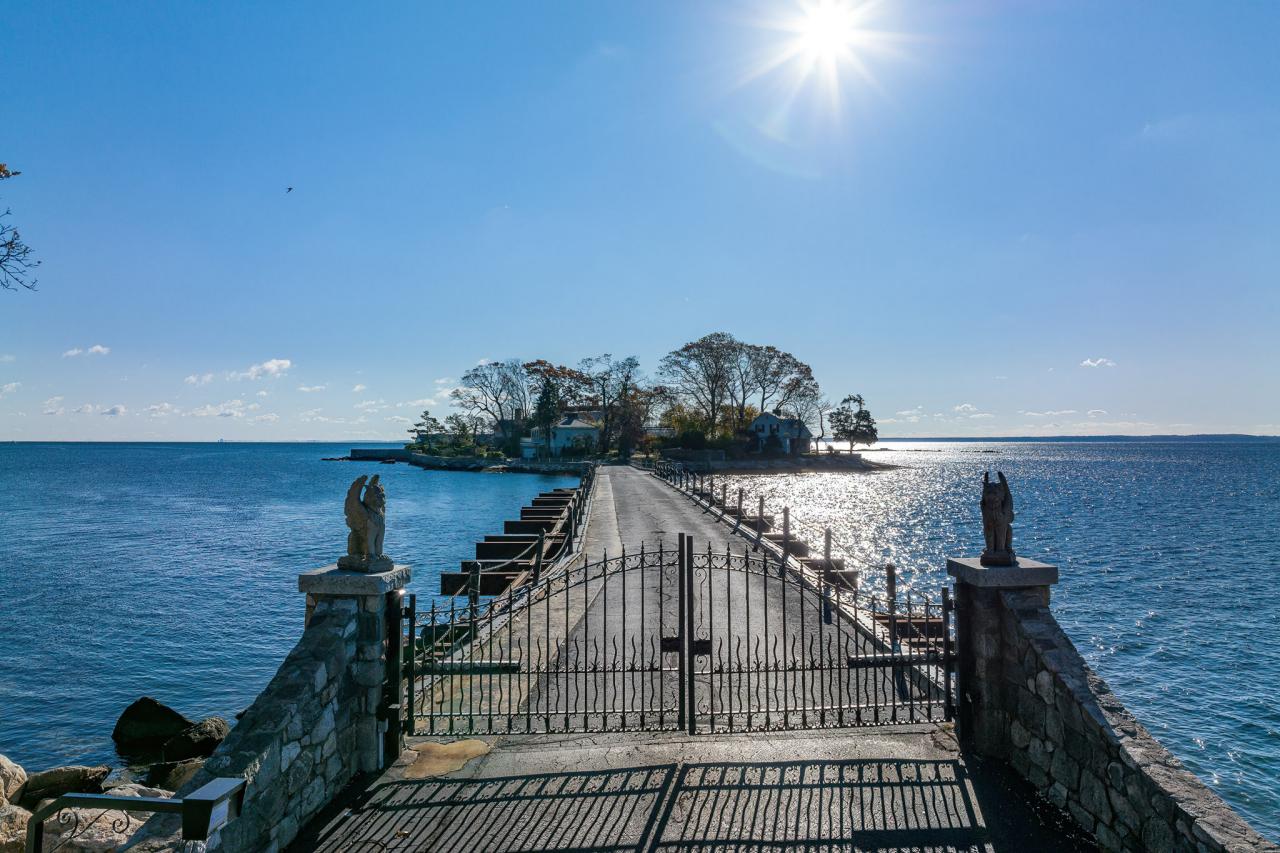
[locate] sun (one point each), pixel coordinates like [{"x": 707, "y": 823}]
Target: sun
[
  {"x": 826, "y": 32},
  {"x": 819, "y": 45}
]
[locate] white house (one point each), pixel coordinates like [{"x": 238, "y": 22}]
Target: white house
[
  {"x": 793, "y": 436},
  {"x": 572, "y": 431}
]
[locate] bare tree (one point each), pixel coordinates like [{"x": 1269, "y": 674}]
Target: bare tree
[
  {"x": 16, "y": 263},
  {"x": 496, "y": 390},
  {"x": 701, "y": 373},
  {"x": 612, "y": 381}
]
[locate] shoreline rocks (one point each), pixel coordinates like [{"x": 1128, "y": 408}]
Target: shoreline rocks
[
  {"x": 198, "y": 741},
  {"x": 51, "y": 784},
  {"x": 12, "y": 777},
  {"x": 146, "y": 725}
]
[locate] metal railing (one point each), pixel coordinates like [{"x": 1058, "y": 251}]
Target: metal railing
[{"x": 204, "y": 811}]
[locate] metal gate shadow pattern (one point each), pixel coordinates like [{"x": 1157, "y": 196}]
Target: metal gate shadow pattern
[{"x": 880, "y": 805}]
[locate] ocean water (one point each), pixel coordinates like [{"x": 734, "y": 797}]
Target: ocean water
[
  {"x": 1169, "y": 554},
  {"x": 171, "y": 570}
]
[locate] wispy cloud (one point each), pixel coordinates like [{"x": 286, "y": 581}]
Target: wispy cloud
[
  {"x": 161, "y": 410},
  {"x": 264, "y": 419},
  {"x": 371, "y": 405},
  {"x": 200, "y": 379},
  {"x": 445, "y": 380},
  {"x": 53, "y": 406},
  {"x": 9, "y": 388},
  {"x": 1097, "y": 362},
  {"x": 357, "y": 389},
  {"x": 310, "y": 389},
  {"x": 1052, "y": 413},
  {"x": 114, "y": 411},
  {"x": 273, "y": 368},
  {"x": 7, "y": 358},
  {"x": 96, "y": 349},
  {"x": 226, "y": 409},
  {"x": 1093, "y": 413}
]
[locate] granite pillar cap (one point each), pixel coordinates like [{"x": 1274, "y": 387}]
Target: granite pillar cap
[
  {"x": 1023, "y": 573},
  {"x": 331, "y": 580}
]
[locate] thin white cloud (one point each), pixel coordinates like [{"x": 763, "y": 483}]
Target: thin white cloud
[
  {"x": 9, "y": 388},
  {"x": 1052, "y": 413},
  {"x": 273, "y": 368},
  {"x": 425, "y": 401},
  {"x": 84, "y": 409},
  {"x": 114, "y": 411},
  {"x": 357, "y": 389},
  {"x": 1093, "y": 413},
  {"x": 226, "y": 409},
  {"x": 400, "y": 419},
  {"x": 201, "y": 379},
  {"x": 964, "y": 408},
  {"x": 6, "y": 358},
  {"x": 161, "y": 410},
  {"x": 371, "y": 405},
  {"x": 1097, "y": 362},
  {"x": 53, "y": 406},
  {"x": 96, "y": 349},
  {"x": 444, "y": 380},
  {"x": 265, "y": 419},
  {"x": 310, "y": 389},
  {"x": 981, "y": 415}
]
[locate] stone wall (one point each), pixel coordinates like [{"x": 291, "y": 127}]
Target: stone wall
[
  {"x": 316, "y": 725},
  {"x": 1029, "y": 698}
]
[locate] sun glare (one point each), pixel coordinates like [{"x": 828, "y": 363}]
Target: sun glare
[{"x": 823, "y": 43}]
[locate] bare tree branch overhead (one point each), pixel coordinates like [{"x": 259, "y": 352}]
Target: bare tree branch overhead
[{"x": 16, "y": 261}]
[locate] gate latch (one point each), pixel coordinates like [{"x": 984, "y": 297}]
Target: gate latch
[{"x": 702, "y": 647}]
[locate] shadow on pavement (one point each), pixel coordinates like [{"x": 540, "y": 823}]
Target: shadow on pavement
[{"x": 803, "y": 805}]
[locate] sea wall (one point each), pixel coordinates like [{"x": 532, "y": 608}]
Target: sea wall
[
  {"x": 467, "y": 463},
  {"x": 315, "y": 727},
  {"x": 1028, "y": 698}
]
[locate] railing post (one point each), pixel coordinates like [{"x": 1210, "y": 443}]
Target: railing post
[
  {"x": 680, "y": 632},
  {"x": 739, "y": 503},
  {"x": 891, "y": 594},
  {"x": 786, "y": 534},
  {"x": 411, "y": 665},
  {"x": 948, "y": 707},
  {"x": 393, "y": 689},
  {"x": 691, "y": 716},
  {"x": 537, "y": 555},
  {"x": 760, "y": 523}
]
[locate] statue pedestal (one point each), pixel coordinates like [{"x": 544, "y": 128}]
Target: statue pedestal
[{"x": 1023, "y": 572}]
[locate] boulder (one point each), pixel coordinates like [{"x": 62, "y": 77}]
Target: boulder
[
  {"x": 13, "y": 828},
  {"x": 49, "y": 784},
  {"x": 146, "y": 725},
  {"x": 11, "y": 778},
  {"x": 199, "y": 741},
  {"x": 172, "y": 775}
]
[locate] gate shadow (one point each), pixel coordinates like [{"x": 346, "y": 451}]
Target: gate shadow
[{"x": 854, "y": 805}]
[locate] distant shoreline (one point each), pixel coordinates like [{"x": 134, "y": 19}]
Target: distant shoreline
[{"x": 1024, "y": 439}]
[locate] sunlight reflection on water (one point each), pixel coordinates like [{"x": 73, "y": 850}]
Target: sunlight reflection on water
[{"x": 1169, "y": 552}]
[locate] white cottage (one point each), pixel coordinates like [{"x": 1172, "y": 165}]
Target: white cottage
[
  {"x": 571, "y": 431},
  {"x": 792, "y": 435}
]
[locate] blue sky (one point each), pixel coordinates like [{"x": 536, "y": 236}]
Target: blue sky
[{"x": 1014, "y": 218}]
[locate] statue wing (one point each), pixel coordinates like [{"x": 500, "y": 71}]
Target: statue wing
[{"x": 353, "y": 508}]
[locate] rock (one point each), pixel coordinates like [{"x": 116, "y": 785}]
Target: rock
[
  {"x": 13, "y": 829},
  {"x": 50, "y": 784},
  {"x": 172, "y": 775},
  {"x": 199, "y": 741},
  {"x": 11, "y": 778},
  {"x": 133, "y": 789},
  {"x": 146, "y": 725}
]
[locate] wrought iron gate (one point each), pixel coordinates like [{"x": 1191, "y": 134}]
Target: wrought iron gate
[{"x": 681, "y": 640}]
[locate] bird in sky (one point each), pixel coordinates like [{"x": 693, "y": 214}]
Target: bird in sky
[{"x": 288, "y": 190}]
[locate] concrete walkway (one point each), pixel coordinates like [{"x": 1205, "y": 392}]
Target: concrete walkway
[{"x": 901, "y": 788}]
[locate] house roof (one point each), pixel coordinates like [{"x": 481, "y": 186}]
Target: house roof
[{"x": 575, "y": 422}]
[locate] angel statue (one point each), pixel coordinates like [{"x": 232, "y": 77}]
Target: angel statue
[
  {"x": 367, "y": 518},
  {"x": 997, "y": 521}
]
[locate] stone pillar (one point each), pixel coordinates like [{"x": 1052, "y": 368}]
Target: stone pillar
[
  {"x": 984, "y": 711},
  {"x": 364, "y": 595}
]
